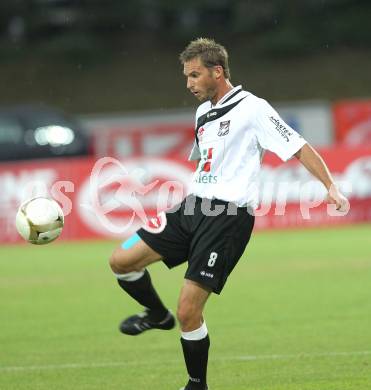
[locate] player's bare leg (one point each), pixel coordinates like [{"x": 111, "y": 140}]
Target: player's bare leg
[
  {"x": 195, "y": 339},
  {"x": 129, "y": 262}
]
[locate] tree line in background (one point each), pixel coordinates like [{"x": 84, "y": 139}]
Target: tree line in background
[
  {"x": 273, "y": 27},
  {"x": 101, "y": 55}
]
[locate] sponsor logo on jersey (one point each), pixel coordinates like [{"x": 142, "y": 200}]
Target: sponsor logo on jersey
[
  {"x": 224, "y": 128},
  {"x": 284, "y": 132},
  {"x": 206, "y": 179},
  {"x": 207, "y": 156},
  {"x": 205, "y": 167},
  {"x": 211, "y": 114}
]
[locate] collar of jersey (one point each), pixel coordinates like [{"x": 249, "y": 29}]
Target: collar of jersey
[{"x": 227, "y": 95}]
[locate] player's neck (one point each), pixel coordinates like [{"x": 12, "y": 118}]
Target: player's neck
[{"x": 223, "y": 89}]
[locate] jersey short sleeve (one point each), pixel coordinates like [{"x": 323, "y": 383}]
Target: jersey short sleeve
[
  {"x": 195, "y": 152},
  {"x": 274, "y": 134}
]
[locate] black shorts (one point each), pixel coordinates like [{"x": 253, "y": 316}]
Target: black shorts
[{"x": 212, "y": 244}]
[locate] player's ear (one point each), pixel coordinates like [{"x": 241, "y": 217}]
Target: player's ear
[{"x": 218, "y": 71}]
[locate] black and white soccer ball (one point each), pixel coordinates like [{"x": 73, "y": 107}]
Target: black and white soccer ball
[{"x": 40, "y": 220}]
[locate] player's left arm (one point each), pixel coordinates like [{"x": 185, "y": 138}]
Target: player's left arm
[{"x": 314, "y": 163}]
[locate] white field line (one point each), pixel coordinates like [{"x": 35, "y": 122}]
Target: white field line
[{"x": 163, "y": 362}]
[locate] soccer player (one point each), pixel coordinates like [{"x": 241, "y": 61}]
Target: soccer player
[{"x": 212, "y": 226}]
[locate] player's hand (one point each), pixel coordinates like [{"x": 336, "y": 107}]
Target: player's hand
[{"x": 340, "y": 202}]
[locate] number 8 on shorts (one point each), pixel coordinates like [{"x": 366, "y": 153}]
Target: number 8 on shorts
[{"x": 212, "y": 259}]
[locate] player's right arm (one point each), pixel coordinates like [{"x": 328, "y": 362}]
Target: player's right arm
[
  {"x": 277, "y": 136},
  {"x": 314, "y": 163}
]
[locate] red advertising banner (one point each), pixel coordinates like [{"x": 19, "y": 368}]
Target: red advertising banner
[
  {"x": 170, "y": 140},
  {"x": 292, "y": 198},
  {"x": 99, "y": 198},
  {"x": 352, "y": 121},
  {"x": 110, "y": 198}
]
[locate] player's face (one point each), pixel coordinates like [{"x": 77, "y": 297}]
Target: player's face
[{"x": 201, "y": 81}]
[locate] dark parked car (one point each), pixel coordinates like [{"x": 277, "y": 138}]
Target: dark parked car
[{"x": 29, "y": 132}]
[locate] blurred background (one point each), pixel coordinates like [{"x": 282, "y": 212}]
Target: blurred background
[{"x": 83, "y": 79}]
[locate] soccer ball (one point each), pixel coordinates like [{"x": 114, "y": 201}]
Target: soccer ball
[{"x": 39, "y": 220}]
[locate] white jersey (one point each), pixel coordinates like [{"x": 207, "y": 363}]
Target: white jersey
[{"x": 231, "y": 138}]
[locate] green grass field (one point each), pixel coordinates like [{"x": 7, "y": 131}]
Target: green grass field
[{"x": 295, "y": 315}]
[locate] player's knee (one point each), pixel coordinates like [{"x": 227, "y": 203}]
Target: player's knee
[
  {"x": 188, "y": 314},
  {"x": 120, "y": 262}
]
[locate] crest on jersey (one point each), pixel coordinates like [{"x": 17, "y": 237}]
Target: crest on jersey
[{"x": 224, "y": 128}]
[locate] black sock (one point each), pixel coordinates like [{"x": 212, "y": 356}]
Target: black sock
[
  {"x": 196, "y": 353},
  {"x": 144, "y": 293}
]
